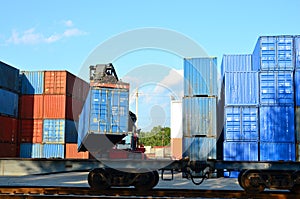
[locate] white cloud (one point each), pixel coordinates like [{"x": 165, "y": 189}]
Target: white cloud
[
  {"x": 73, "y": 32},
  {"x": 69, "y": 23}
]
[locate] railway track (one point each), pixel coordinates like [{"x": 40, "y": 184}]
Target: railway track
[{"x": 85, "y": 192}]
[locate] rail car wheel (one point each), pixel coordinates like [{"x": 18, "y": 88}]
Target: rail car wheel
[
  {"x": 296, "y": 179},
  {"x": 240, "y": 178},
  {"x": 251, "y": 181},
  {"x": 146, "y": 181},
  {"x": 99, "y": 179}
]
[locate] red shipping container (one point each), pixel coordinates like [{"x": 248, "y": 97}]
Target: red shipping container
[
  {"x": 31, "y": 131},
  {"x": 72, "y": 153},
  {"x": 8, "y": 130},
  {"x": 61, "y": 106},
  {"x": 56, "y": 82},
  {"x": 31, "y": 106},
  {"x": 8, "y": 150}
]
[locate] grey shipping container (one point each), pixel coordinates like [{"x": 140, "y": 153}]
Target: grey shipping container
[
  {"x": 274, "y": 53},
  {"x": 199, "y": 116},
  {"x": 241, "y": 88},
  {"x": 200, "y": 77},
  {"x": 9, "y": 103},
  {"x": 236, "y": 63},
  {"x": 9, "y": 77}
]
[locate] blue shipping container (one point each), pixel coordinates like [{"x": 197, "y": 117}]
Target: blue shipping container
[
  {"x": 276, "y": 88},
  {"x": 59, "y": 131},
  {"x": 200, "y": 77},
  {"x": 241, "y": 88},
  {"x": 9, "y": 103},
  {"x": 297, "y": 120},
  {"x": 236, "y": 63},
  {"x": 53, "y": 151},
  {"x": 9, "y": 77},
  {"x": 241, "y": 123},
  {"x": 32, "y": 82},
  {"x": 29, "y": 150},
  {"x": 297, "y": 86},
  {"x": 274, "y": 53},
  {"x": 105, "y": 112},
  {"x": 277, "y": 151},
  {"x": 240, "y": 151},
  {"x": 200, "y": 116},
  {"x": 277, "y": 123},
  {"x": 297, "y": 51},
  {"x": 199, "y": 148}
]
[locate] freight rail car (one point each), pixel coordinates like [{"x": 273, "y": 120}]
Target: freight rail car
[{"x": 105, "y": 116}]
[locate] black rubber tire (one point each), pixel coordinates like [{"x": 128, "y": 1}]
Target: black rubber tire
[
  {"x": 146, "y": 181},
  {"x": 99, "y": 179}
]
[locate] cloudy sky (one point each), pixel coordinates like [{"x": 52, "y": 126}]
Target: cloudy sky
[{"x": 70, "y": 35}]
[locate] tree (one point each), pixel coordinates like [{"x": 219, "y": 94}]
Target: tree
[{"x": 159, "y": 136}]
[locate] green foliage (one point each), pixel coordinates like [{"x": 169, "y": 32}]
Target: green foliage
[{"x": 159, "y": 136}]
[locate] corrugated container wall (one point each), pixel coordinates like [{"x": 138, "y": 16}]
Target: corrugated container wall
[
  {"x": 241, "y": 123},
  {"x": 297, "y": 120},
  {"x": 199, "y": 116},
  {"x": 31, "y": 131},
  {"x": 241, "y": 151},
  {"x": 297, "y": 50},
  {"x": 199, "y": 148},
  {"x": 8, "y": 130},
  {"x": 32, "y": 82},
  {"x": 277, "y": 123},
  {"x": 176, "y": 119},
  {"x": 200, "y": 77},
  {"x": 297, "y": 86},
  {"x": 72, "y": 153},
  {"x": 277, "y": 151},
  {"x": 241, "y": 88},
  {"x": 31, "y": 106},
  {"x": 276, "y": 88},
  {"x": 236, "y": 63},
  {"x": 9, "y": 77},
  {"x": 10, "y": 150},
  {"x": 274, "y": 53},
  {"x": 29, "y": 150},
  {"x": 53, "y": 151},
  {"x": 9, "y": 103}
]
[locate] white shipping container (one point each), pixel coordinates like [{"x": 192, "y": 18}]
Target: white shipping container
[{"x": 176, "y": 119}]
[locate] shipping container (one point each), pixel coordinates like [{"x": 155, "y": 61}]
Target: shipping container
[
  {"x": 8, "y": 129},
  {"x": 236, "y": 63},
  {"x": 53, "y": 151},
  {"x": 277, "y": 123},
  {"x": 29, "y": 150},
  {"x": 32, "y": 82},
  {"x": 176, "y": 148},
  {"x": 241, "y": 88},
  {"x": 241, "y": 123},
  {"x": 297, "y": 86},
  {"x": 199, "y": 148},
  {"x": 274, "y": 53},
  {"x": 176, "y": 119},
  {"x": 200, "y": 77},
  {"x": 277, "y": 151},
  {"x": 31, "y": 131},
  {"x": 31, "y": 106},
  {"x": 199, "y": 116},
  {"x": 240, "y": 151},
  {"x": 9, "y": 77},
  {"x": 8, "y": 150},
  {"x": 297, "y": 50},
  {"x": 276, "y": 87},
  {"x": 72, "y": 153},
  {"x": 297, "y": 121},
  {"x": 61, "y": 106},
  {"x": 59, "y": 131},
  {"x": 9, "y": 103}
]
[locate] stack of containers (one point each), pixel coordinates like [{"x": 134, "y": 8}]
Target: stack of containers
[
  {"x": 199, "y": 108},
  {"x": 9, "y": 92},
  {"x": 273, "y": 57},
  {"x": 297, "y": 93},
  {"x": 50, "y": 105},
  {"x": 241, "y": 130}
]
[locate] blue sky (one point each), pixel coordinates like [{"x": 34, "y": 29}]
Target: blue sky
[{"x": 61, "y": 35}]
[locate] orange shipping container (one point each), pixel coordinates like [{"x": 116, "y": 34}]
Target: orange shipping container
[
  {"x": 31, "y": 131},
  {"x": 72, "y": 153},
  {"x": 61, "y": 106},
  {"x": 176, "y": 148},
  {"x": 8, "y": 150},
  {"x": 31, "y": 106},
  {"x": 8, "y": 130}
]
